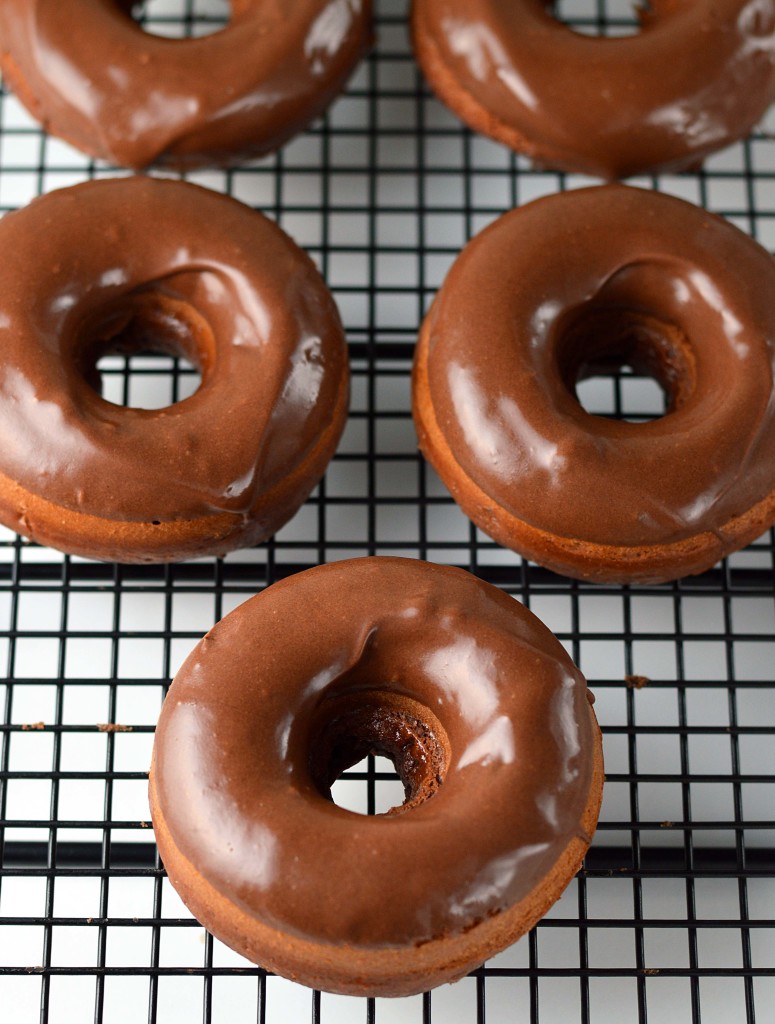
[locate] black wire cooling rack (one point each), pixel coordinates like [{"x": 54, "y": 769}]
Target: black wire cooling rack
[{"x": 672, "y": 918}]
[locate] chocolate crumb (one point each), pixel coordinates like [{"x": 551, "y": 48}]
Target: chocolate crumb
[{"x": 637, "y": 682}]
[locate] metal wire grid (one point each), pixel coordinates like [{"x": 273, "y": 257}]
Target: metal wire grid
[{"x": 673, "y": 917}]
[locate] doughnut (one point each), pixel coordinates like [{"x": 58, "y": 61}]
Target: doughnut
[
  {"x": 488, "y": 723},
  {"x": 92, "y": 76},
  {"x": 134, "y": 265},
  {"x": 552, "y": 293},
  {"x": 697, "y": 76}
]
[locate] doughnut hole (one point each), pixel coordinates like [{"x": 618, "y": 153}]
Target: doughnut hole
[
  {"x": 614, "y": 342},
  {"x": 150, "y": 324},
  {"x": 348, "y": 729},
  {"x": 614, "y": 18},
  {"x": 175, "y": 19}
]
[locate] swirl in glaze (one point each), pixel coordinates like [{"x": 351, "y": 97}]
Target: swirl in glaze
[
  {"x": 237, "y": 763},
  {"x": 562, "y": 285},
  {"x": 137, "y": 263},
  {"x": 698, "y": 76},
  {"x": 124, "y": 95}
]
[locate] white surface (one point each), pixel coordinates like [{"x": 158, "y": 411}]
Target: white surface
[{"x": 443, "y": 170}]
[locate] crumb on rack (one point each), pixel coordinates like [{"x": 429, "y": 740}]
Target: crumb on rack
[
  {"x": 637, "y": 682},
  {"x": 113, "y": 727}
]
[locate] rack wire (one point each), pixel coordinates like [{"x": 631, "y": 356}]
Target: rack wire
[{"x": 673, "y": 916}]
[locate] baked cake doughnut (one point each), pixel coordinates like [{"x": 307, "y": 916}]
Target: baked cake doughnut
[
  {"x": 486, "y": 719},
  {"x": 138, "y": 264},
  {"x": 545, "y": 296},
  {"x": 94, "y": 77},
  {"x": 697, "y": 77}
]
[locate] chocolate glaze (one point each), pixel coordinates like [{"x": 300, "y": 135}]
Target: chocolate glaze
[
  {"x": 93, "y": 76},
  {"x": 126, "y": 264},
  {"x": 698, "y": 76},
  {"x": 454, "y": 677},
  {"x": 611, "y": 274}
]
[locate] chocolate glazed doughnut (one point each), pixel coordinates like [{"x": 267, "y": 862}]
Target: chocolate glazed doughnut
[
  {"x": 544, "y": 297},
  {"x": 121, "y": 94},
  {"x": 487, "y": 721},
  {"x": 138, "y": 264},
  {"x": 698, "y": 76}
]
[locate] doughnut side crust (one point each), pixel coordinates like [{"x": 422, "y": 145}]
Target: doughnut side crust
[
  {"x": 356, "y": 971},
  {"x": 570, "y": 556}
]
